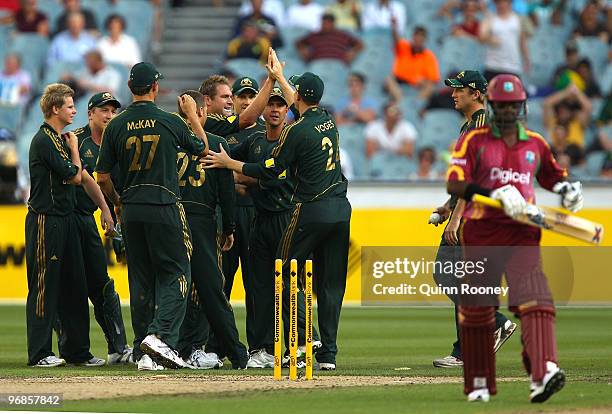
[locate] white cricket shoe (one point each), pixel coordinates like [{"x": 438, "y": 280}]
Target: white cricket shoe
[
  {"x": 479, "y": 395},
  {"x": 447, "y": 362},
  {"x": 503, "y": 334},
  {"x": 214, "y": 355},
  {"x": 554, "y": 380},
  {"x": 50, "y": 362},
  {"x": 168, "y": 357},
  {"x": 125, "y": 357},
  {"x": 327, "y": 366},
  {"x": 93, "y": 362},
  {"x": 201, "y": 360},
  {"x": 147, "y": 364},
  {"x": 261, "y": 359}
]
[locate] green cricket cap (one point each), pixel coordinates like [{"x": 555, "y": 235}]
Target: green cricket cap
[
  {"x": 277, "y": 92},
  {"x": 468, "y": 79},
  {"x": 101, "y": 99},
  {"x": 245, "y": 84},
  {"x": 310, "y": 86},
  {"x": 292, "y": 79},
  {"x": 144, "y": 74}
]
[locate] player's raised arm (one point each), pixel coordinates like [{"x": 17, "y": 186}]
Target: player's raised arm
[
  {"x": 249, "y": 116},
  {"x": 189, "y": 107}
]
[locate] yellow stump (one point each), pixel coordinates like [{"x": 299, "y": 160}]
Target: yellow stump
[
  {"x": 278, "y": 318},
  {"x": 293, "y": 332},
  {"x": 308, "y": 294}
]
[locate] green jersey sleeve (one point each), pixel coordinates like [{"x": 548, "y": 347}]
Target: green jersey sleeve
[
  {"x": 282, "y": 156},
  {"x": 56, "y": 156},
  {"x": 227, "y": 197},
  {"x": 222, "y": 125},
  {"x": 187, "y": 139},
  {"x": 107, "y": 158}
]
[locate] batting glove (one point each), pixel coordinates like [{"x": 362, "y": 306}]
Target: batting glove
[
  {"x": 512, "y": 200},
  {"x": 571, "y": 195}
]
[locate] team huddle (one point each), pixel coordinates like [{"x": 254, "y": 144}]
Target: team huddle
[{"x": 187, "y": 196}]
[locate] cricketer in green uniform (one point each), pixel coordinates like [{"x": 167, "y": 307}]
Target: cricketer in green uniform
[
  {"x": 235, "y": 127},
  {"x": 272, "y": 199},
  {"x": 144, "y": 141},
  {"x": 102, "y": 107},
  {"x": 56, "y": 287},
  {"x": 201, "y": 192},
  {"x": 320, "y": 224},
  {"x": 469, "y": 90}
]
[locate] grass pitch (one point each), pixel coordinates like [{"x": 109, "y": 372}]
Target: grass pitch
[{"x": 393, "y": 342}]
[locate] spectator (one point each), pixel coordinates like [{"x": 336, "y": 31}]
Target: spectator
[
  {"x": 31, "y": 20},
  {"x": 571, "y": 109},
  {"x": 72, "y": 44},
  {"x": 379, "y": 14},
  {"x": 505, "y": 41},
  {"x": 74, "y": 6},
  {"x": 329, "y": 43},
  {"x": 425, "y": 169},
  {"x": 547, "y": 11},
  {"x": 585, "y": 71},
  {"x": 414, "y": 65},
  {"x": 306, "y": 15},
  {"x": 273, "y": 8},
  {"x": 571, "y": 63},
  {"x": 118, "y": 47},
  {"x": 15, "y": 83},
  {"x": 441, "y": 98},
  {"x": 96, "y": 77},
  {"x": 265, "y": 24},
  {"x": 470, "y": 25},
  {"x": 356, "y": 108},
  {"x": 590, "y": 24},
  {"x": 347, "y": 14},
  {"x": 391, "y": 134},
  {"x": 249, "y": 44}
]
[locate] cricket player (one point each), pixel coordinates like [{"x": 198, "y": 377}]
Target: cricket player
[
  {"x": 272, "y": 199},
  {"x": 201, "y": 192},
  {"x": 469, "y": 90},
  {"x": 502, "y": 161},
  {"x": 144, "y": 141},
  {"x": 56, "y": 286},
  {"x": 234, "y": 114},
  {"x": 102, "y": 107},
  {"x": 320, "y": 223}
]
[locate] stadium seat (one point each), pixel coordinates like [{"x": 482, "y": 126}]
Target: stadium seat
[
  {"x": 391, "y": 167},
  {"x": 460, "y": 53},
  {"x": 440, "y": 127},
  {"x": 80, "y": 118},
  {"x": 32, "y": 48},
  {"x": 246, "y": 67},
  {"x": 352, "y": 140},
  {"x": 534, "y": 116},
  {"x": 594, "y": 162},
  {"x": 334, "y": 74},
  {"x": 123, "y": 94},
  {"x": 606, "y": 80},
  {"x": 545, "y": 54},
  {"x": 53, "y": 9},
  {"x": 596, "y": 51},
  {"x": 10, "y": 117},
  {"x": 290, "y": 35}
]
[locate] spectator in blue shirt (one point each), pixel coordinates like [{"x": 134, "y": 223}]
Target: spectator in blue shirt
[
  {"x": 71, "y": 44},
  {"x": 356, "y": 108}
]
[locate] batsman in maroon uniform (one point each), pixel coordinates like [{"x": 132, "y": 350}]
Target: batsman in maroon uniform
[{"x": 502, "y": 160}]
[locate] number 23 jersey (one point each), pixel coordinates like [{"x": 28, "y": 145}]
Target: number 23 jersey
[{"x": 144, "y": 140}]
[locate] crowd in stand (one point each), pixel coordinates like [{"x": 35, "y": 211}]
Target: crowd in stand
[{"x": 571, "y": 106}]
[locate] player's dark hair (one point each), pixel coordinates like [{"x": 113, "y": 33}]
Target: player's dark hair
[
  {"x": 140, "y": 90},
  {"x": 197, "y": 97},
  {"x": 115, "y": 16},
  {"x": 209, "y": 86}
]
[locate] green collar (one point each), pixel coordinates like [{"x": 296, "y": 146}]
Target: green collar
[
  {"x": 522, "y": 134},
  {"x": 46, "y": 125},
  {"x": 476, "y": 114}
]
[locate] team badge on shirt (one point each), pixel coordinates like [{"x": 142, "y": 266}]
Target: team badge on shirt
[{"x": 530, "y": 157}]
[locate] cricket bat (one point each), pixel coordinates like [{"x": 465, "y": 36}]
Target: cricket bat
[{"x": 554, "y": 220}]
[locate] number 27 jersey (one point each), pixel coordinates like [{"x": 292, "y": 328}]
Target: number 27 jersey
[{"x": 144, "y": 140}]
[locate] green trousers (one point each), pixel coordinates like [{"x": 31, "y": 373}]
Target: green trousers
[
  {"x": 208, "y": 303},
  {"x": 321, "y": 230},
  {"x": 56, "y": 288},
  {"x": 158, "y": 248},
  {"x": 100, "y": 288},
  {"x": 245, "y": 215},
  {"x": 262, "y": 249}
]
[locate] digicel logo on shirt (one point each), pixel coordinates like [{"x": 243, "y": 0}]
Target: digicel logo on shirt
[{"x": 510, "y": 176}]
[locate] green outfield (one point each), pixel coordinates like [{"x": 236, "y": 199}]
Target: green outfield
[{"x": 374, "y": 342}]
